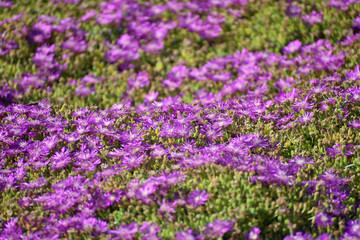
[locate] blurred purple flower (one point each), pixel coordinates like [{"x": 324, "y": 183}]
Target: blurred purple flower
[
  {"x": 197, "y": 198},
  {"x": 253, "y": 234},
  {"x": 298, "y": 236},
  {"x": 76, "y": 45},
  {"x": 354, "y": 124},
  {"x": 124, "y": 231},
  {"x": 313, "y": 18},
  {"x": 323, "y": 220},
  {"x": 219, "y": 227},
  {"x": 293, "y": 11},
  {"x": 305, "y": 118},
  {"x": 83, "y": 90},
  {"x": 352, "y": 230},
  {"x": 292, "y": 47}
]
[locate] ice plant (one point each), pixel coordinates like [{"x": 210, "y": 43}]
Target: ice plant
[{"x": 179, "y": 119}]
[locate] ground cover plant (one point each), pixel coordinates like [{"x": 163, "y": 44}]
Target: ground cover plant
[{"x": 206, "y": 119}]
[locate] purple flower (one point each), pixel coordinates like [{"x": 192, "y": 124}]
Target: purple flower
[
  {"x": 90, "y": 79},
  {"x": 299, "y": 236},
  {"x": 288, "y": 83},
  {"x": 158, "y": 151},
  {"x": 157, "y": 9},
  {"x": 313, "y": 18},
  {"x": 356, "y": 25},
  {"x": 340, "y": 4},
  {"x": 221, "y": 77},
  {"x": 339, "y": 150},
  {"x": 301, "y": 161},
  {"x": 141, "y": 80},
  {"x": 124, "y": 231},
  {"x": 352, "y": 230},
  {"x": 303, "y": 104},
  {"x": 165, "y": 207},
  {"x": 75, "y": 45},
  {"x": 292, "y": 47},
  {"x": 323, "y": 220},
  {"x": 87, "y": 160},
  {"x": 11, "y": 230},
  {"x": 130, "y": 162},
  {"x": 293, "y": 11},
  {"x": 159, "y": 33},
  {"x": 61, "y": 159},
  {"x": 324, "y": 236},
  {"x": 211, "y": 132},
  {"x": 305, "y": 118},
  {"x": 88, "y": 15},
  {"x": 353, "y": 94},
  {"x": 39, "y": 32},
  {"x": 150, "y": 231},
  {"x": 45, "y": 61},
  {"x": 354, "y": 124},
  {"x": 83, "y": 91},
  {"x": 145, "y": 191},
  {"x": 153, "y": 47},
  {"x": 219, "y": 227},
  {"x": 151, "y": 96},
  {"x": 197, "y": 198},
  {"x": 188, "y": 235},
  {"x": 354, "y": 75},
  {"x": 34, "y": 184},
  {"x": 175, "y": 77},
  {"x": 253, "y": 234},
  {"x": 5, "y": 3}
]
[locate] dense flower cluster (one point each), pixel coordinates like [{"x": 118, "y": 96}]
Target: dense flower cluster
[{"x": 236, "y": 143}]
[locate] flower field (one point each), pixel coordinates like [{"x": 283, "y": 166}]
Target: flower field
[{"x": 186, "y": 120}]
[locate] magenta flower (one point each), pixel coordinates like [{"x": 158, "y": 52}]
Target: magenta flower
[
  {"x": 145, "y": 191},
  {"x": 211, "y": 132},
  {"x": 324, "y": 236},
  {"x": 340, "y": 150},
  {"x": 34, "y": 184},
  {"x": 151, "y": 97},
  {"x": 88, "y": 15},
  {"x": 301, "y": 161},
  {"x": 283, "y": 84},
  {"x": 141, "y": 80},
  {"x": 292, "y": 47},
  {"x": 188, "y": 235},
  {"x": 353, "y": 94},
  {"x": 305, "y": 118},
  {"x": 352, "y": 230},
  {"x": 130, "y": 162},
  {"x": 197, "y": 198},
  {"x": 303, "y": 104},
  {"x": 298, "y": 236},
  {"x": 12, "y": 230},
  {"x": 124, "y": 231},
  {"x": 75, "y": 45},
  {"x": 90, "y": 79},
  {"x": 150, "y": 231},
  {"x": 61, "y": 159},
  {"x": 293, "y": 11},
  {"x": 39, "y": 32},
  {"x": 87, "y": 160},
  {"x": 323, "y": 220},
  {"x": 341, "y": 4},
  {"x": 166, "y": 207},
  {"x": 219, "y": 227},
  {"x": 253, "y": 234},
  {"x": 83, "y": 90},
  {"x": 313, "y": 18},
  {"x": 354, "y": 124}
]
